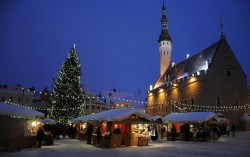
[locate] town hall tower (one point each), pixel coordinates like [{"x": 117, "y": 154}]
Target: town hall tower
[{"x": 165, "y": 43}]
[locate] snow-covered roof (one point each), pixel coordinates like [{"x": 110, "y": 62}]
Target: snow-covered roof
[
  {"x": 190, "y": 117},
  {"x": 245, "y": 116},
  {"x": 86, "y": 118},
  {"x": 113, "y": 115},
  {"x": 156, "y": 117},
  {"x": 191, "y": 65},
  {"x": 222, "y": 118},
  {"x": 48, "y": 121},
  {"x": 18, "y": 111}
]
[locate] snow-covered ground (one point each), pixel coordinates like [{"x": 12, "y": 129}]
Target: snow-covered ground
[{"x": 238, "y": 146}]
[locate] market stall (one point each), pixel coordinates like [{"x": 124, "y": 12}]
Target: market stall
[
  {"x": 127, "y": 127},
  {"x": 18, "y": 127},
  {"x": 245, "y": 122},
  {"x": 185, "y": 122}
]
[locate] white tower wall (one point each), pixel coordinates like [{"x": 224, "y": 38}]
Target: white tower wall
[{"x": 165, "y": 48}]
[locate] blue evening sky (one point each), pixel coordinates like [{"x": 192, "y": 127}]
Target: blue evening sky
[{"x": 116, "y": 40}]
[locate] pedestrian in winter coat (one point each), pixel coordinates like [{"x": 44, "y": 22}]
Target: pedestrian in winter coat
[
  {"x": 228, "y": 130},
  {"x": 233, "y": 129},
  {"x": 39, "y": 137}
]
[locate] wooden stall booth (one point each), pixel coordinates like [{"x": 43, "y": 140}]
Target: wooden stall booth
[
  {"x": 120, "y": 127},
  {"x": 18, "y": 127},
  {"x": 185, "y": 122}
]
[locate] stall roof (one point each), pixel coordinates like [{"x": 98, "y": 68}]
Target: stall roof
[
  {"x": 157, "y": 118},
  {"x": 113, "y": 115},
  {"x": 18, "y": 111},
  {"x": 48, "y": 121},
  {"x": 190, "y": 117},
  {"x": 222, "y": 118},
  {"x": 245, "y": 116},
  {"x": 86, "y": 118}
]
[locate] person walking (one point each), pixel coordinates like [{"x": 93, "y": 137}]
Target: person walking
[
  {"x": 233, "y": 130},
  {"x": 39, "y": 137},
  {"x": 195, "y": 131},
  {"x": 173, "y": 132},
  {"x": 228, "y": 130},
  {"x": 99, "y": 134},
  {"x": 89, "y": 134},
  {"x": 159, "y": 133}
]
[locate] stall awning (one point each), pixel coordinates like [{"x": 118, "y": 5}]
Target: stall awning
[
  {"x": 114, "y": 115},
  {"x": 19, "y": 111},
  {"x": 187, "y": 117}
]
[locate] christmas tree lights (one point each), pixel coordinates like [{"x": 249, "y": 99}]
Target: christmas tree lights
[{"x": 68, "y": 94}]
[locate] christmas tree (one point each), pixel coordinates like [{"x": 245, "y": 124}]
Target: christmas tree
[{"x": 68, "y": 94}]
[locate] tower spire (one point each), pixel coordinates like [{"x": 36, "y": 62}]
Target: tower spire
[
  {"x": 165, "y": 43},
  {"x": 221, "y": 29},
  {"x": 164, "y": 25}
]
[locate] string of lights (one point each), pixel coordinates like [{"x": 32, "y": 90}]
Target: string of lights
[{"x": 184, "y": 107}]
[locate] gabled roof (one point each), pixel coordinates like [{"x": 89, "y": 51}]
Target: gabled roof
[
  {"x": 113, "y": 115},
  {"x": 189, "y": 66}
]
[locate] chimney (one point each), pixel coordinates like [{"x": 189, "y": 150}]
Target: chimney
[
  {"x": 173, "y": 63},
  {"x": 187, "y": 56}
]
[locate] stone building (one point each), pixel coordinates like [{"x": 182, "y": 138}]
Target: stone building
[
  {"x": 17, "y": 94},
  {"x": 210, "y": 80}
]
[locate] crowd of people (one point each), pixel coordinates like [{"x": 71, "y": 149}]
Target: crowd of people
[{"x": 155, "y": 132}]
